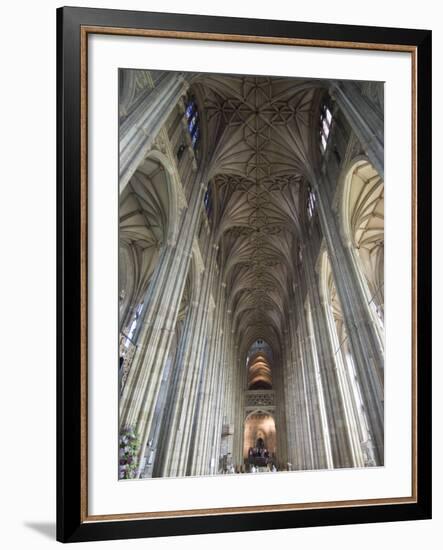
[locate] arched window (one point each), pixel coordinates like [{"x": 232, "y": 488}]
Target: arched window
[
  {"x": 132, "y": 328},
  {"x": 128, "y": 347},
  {"x": 325, "y": 125},
  {"x": 310, "y": 202},
  {"x": 193, "y": 118},
  {"x": 207, "y": 199}
]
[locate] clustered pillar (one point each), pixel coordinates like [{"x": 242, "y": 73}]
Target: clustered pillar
[
  {"x": 203, "y": 408},
  {"x": 367, "y": 351}
]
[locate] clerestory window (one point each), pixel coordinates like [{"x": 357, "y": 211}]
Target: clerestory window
[
  {"x": 208, "y": 200},
  {"x": 193, "y": 119},
  {"x": 134, "y": 324},
  {"x": 325, "y": 126},
  {"x": 310, "y": 202}
]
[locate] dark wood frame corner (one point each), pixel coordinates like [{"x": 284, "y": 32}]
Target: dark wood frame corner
[{"x": 73, "y": 27}]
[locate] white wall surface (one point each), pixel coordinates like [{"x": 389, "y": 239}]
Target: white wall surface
[{"x": 27, "y": 275}]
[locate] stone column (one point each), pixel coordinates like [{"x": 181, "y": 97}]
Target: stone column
[
  {"x": 349, "y": 402},
  {"x": 364, "y": 342},
  {"x": 211, "y": 451},
  {"x": 280, "y": 417},
  {"x": 364, "y": 118},
  {"x": 295, "y": 421},
  {"x": 316, "y": 438},
  {"x": 301, "y": 443},
  {"x": 238, "y": 387},
  {"x": 313, "y": 447},
  {"x": 225, "y": 434},
  {"x": 163, "y": 300},
  {"x": 222, "y": 387},
  {"x": 292, "y": 419},
  {"x": 199, "y": 402},
  {"x": 204, "y": 421},
  {"x": 335, "y": 411},
  {"x": 186, "y": 383},
  {"x": 140, "y": 128},
  {"x": 217, "y": 406},
  {"x": 219, "y": 401}
]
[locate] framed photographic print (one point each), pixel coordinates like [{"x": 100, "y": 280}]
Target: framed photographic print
[{"x": 236, "y": 351}]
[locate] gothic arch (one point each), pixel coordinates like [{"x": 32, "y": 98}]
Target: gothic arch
[
  {"x": 260, "y": 424},
  {"x": 175, "y": 193},
  {"x": 143, "y": 215},
  {"x": 197, "y": 92},
  {"x": 331, "y": 301},
  {"x": 148, "y": 223},
  {"x": 126, "y": 280},
  {"x": 219, "y": 245},
  {"x": 362, "y": 227},
  {"x": 348, "y": 385}
]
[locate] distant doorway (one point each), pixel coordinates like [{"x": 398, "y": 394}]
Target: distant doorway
[{"x": 259, "y": 439}]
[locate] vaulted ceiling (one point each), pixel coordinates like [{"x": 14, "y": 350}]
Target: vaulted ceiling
[{"x": 258, "y": 133}]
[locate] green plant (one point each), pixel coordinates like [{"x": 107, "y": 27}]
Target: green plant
[{"x": 129, "y": 446}]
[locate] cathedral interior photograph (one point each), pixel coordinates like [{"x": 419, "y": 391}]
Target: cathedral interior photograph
[{"x": 251, "y": 274}]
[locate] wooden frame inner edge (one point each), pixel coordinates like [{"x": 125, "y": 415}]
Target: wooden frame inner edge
[{"x": 85, "y": 30}]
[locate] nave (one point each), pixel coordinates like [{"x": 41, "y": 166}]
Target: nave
[{"x": 251, "y": 274}]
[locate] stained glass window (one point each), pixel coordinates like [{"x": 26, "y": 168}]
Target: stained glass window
[
  {"x": 310, "y": 203},
  {"x": 208, "y": 200},
  {"x": 190, "y": 109},
  {"x": 192, "y": 117},
  {"x": 195, "y": 137},
  {"x": 325, "y": 126},
  {"x": 192, "y": 123}
]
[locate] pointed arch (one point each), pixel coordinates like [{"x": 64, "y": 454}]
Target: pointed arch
[
  {"x": 362, "y": 227},
  {"x": 260, "y": 425},
  {"x": 348, "y": 384}
]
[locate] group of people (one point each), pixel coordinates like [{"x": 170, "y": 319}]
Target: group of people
[
  {"x": 259, "y": 459},
  {"x": 270, "y": 468},
  {"x": 258, "y": 452},
  {"x": 231, "y": 469}
]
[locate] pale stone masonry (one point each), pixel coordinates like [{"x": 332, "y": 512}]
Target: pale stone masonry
[{"x": 251, "y": 272}]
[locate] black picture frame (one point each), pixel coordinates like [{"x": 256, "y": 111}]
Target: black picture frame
[{"x": 72, "y": 524}]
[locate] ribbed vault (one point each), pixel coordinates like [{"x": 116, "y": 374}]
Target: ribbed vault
[
  {"x": 259, "y": 132},
  {"x": 229, "y": 356},
  {"x": 365, "y": 217},
  {"x": 143, "y": 222}
]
